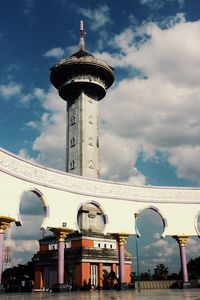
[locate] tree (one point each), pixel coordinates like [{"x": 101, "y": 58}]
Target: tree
[
  {"x": 193, "y": 267},
  {"x": 160, "y": 272}
]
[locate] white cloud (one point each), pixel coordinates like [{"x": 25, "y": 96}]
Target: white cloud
[
  {"x": 25, "y": 246},
  {"x": 154, "y": 4},
  {"x": 192, "y": 248},
  {"x": 117, "y": 162},
  {"x": 157, "y": 4},
  {"x": 50, "y": 144},
  {"x": 98, "y": 17},
  {"x": 55, "y": 52},
  {"x": 181, "y": 3},
  {"x": 162, "y": 111},
  {"x": 28, "y": 6},
  {"x": 11, "y": 89},
  {"x": 28, "y": 11}
]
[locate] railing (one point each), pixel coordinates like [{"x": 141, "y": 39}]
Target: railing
[{"x": 158, "y": 284}]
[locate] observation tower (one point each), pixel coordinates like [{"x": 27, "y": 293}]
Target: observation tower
[{"x": 82, "y": 80}]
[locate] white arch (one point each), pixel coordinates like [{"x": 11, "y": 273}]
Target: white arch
[
  {"x": 65, "y": 192},
  {"x": 44, "y": 202},
  {"x": 196, "y": 223},
  {"x": 158, "y": 211},
  {"x": 105, "y": 216}
]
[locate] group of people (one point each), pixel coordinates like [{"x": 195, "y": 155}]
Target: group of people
[{"x": 109, "y": 281}]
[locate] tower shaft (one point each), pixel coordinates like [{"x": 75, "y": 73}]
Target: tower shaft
[
  {"x": 82, "y": 80},
  {"x": 82, "y": 150}
]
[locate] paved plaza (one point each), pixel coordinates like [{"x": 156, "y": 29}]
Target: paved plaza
[{"x": 193, "y": 294}]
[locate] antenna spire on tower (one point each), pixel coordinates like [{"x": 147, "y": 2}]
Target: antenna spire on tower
[{"x": 82, "y": 34}]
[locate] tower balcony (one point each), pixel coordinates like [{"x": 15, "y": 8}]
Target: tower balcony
[
  {"x": 82, "y": 72},
  {"x": 89, "y": 83}
]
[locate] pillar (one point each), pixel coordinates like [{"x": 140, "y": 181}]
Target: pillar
[
  {"x": 4, "y": 223},
  {"x": 38, "y": 280},
  {"x": 82, "y": 273},
  {"x": 121, "y": 239},
  {"x": 100, "y": 275},
  {"x": 61, "y": 234},
  {"x": 182, "y": 240}
]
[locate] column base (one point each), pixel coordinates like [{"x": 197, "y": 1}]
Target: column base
[
  {"x": 2, "y": 289},
  {"x": 61, "y": 288},
  {"x": 186, "y": 285}
]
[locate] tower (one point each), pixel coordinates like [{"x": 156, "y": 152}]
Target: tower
[
  {"x": 82, "y": 80},
  {"x": 8, "y": 251}
]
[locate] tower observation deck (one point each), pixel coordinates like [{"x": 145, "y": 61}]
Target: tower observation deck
[{"x": 82, "y": 80}]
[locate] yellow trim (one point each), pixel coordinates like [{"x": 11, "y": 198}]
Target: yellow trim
[
  {"x": 61, "y": 233},
  {"x": 181, "y": 239},
  {"x": 4, "y": 223},
  {"x": 121, "y": 238}
]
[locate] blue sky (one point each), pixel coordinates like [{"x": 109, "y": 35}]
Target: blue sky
[{"x": 151, "y": 114}]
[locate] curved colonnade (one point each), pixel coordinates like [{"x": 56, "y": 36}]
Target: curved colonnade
[{"x": 62, "y": 194}]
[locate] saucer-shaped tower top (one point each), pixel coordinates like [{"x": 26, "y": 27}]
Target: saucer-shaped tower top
[{"x": 81, "y": 71}]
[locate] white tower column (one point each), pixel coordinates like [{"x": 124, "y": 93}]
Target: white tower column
[{"x": 82, "y": 149}]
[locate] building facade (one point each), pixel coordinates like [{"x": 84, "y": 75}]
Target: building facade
[{"x": 89, "y": 259}]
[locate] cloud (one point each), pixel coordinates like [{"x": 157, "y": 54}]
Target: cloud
[
  {"x": 193, "y": 248},
  {"x": 49, "y": 146},
  {"x": 22, "y": 246},
  {"x": 30, "y": 229},
  {"x": 30, "y": 204},
  {"x": 16, "y": 90},
  {"x": 11, "y": 89},
  {"x": 153, "y": 4},
  {"x": 98, "y": 17},
  {"x": 55, "y": 52},
  {"x": 181, "y": 3},
  {"x": 157, "y": 4},
  {"x": 117, "y": 159},
  {"x": 28, "y": 11},
  {"x": 142, "y": 112}
]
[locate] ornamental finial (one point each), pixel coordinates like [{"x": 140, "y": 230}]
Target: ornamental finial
[{"x": 82, "y": 34}]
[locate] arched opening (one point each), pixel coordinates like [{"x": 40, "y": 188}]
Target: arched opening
[
  {"x": 33, "y": 213},
  {"x": 154, "y": 252},
  {"x": 197, "y": 223},
  {"x": 91, "y": 218}
]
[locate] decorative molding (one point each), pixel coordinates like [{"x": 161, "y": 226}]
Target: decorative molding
[
  {"x": 121, "y": 238},
  {"x": 22, "y": 169},
  {"x": 181, "y": 239},
  {"x": 4, "y": 223},
  {"x": 61, "y": 233}
]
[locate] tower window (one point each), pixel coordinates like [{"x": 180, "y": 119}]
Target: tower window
[
  {"x": 91, "y": 164},
  {"x": 90, "y": 119},
  {"x": 72, "y": 164},
  {"x": 73, "y": 120},
  {"x": 90, "y": 141},
  {"x": 73, "y": 142}
]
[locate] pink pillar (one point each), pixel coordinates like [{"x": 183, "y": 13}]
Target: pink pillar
[
  {"x": 182, "y": 240},
  {"x": 183, "y": 263},
  {"x": 121, "y": 263},
  {"x": 121, "y": 239},
  {"x": 61, "y": 260},
  {"x": 1, "y": 254}
]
